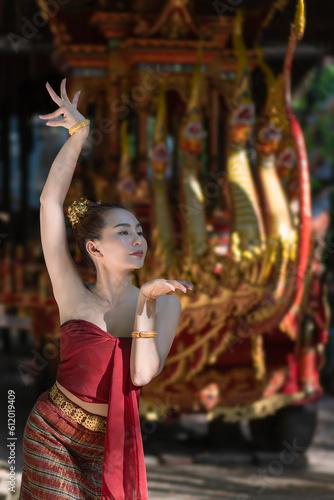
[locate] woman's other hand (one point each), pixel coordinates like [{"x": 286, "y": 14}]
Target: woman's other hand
[
  {"x": 155, "y": 288},
  {"x": 68, "y": 109}
]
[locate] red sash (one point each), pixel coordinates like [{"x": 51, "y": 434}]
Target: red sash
[{"x": 95, "y": 367}]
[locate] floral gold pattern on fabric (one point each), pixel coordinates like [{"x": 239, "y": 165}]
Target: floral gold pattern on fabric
[{"x": 88, "y": 420}]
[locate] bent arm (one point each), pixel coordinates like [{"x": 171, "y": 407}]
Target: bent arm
[
  {"x": 60, "y": 176},
  {"x": 148, "y": 355}
]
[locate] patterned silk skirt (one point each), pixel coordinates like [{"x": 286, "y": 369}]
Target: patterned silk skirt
[{"x": 62, "y": 458}]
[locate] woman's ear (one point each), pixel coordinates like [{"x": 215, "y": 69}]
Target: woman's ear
[{"x": 93, "y": 249}]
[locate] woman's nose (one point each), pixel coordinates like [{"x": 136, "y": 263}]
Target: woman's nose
[{"x": 137, "y": 240}]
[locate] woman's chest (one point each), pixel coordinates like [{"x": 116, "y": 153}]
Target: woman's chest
[
  {"x": 120, "y": 322},
  {"x": 117, "y": 320}
]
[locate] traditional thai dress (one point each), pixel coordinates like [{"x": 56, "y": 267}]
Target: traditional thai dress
[{"x": 70, "y": 453}]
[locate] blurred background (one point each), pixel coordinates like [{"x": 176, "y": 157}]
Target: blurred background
[{"x": 109, "y": 49}]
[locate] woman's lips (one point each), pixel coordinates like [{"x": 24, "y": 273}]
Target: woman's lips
[{"x": 137, "y": 254}]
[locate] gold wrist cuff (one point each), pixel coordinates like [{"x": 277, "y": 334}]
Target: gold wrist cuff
[
  {"x": 143, "y": 334},
  {"x": 78, "y": 125}
]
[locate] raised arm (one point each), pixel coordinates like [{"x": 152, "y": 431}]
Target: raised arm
[
  {"x": 68, "y": 286},
  {"x": 62, "y": 169}
]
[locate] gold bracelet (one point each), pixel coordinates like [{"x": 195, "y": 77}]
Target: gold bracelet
[
  {"x": 78, "y": 125},
  {"x": 144, "y": 334}
]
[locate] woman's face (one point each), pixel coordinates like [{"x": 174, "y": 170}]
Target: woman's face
[{"x": 122, "y": 235}]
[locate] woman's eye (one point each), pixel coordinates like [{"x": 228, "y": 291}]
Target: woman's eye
[{"x": 140, "y": 232}]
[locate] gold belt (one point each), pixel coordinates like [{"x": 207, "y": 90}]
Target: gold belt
[{"x": 83, "y": 417}]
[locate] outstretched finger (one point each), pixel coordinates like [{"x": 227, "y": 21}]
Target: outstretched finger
[
  {"x": 56, "y": 123},
  {"x": 56, "y": 113},
  {"x": 53, "y": 94},
  {"x": 177, "y": 284},
  {"x": 76, "y": 98},
  {"x": 187, "y": 284},
  {"x": 63, "y": 92}
]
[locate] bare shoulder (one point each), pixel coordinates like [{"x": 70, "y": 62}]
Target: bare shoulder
[{"x": 80, "y": 305}]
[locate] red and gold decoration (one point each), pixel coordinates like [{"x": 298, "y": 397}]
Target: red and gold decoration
[{"x": 251, "y": 335}]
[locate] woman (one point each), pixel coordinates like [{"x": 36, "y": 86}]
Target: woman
[{"x": 82, "y": 438}]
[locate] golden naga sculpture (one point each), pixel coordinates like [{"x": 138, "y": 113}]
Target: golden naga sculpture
[
  {"x": 248, "y": 228},
  {"x": 207, "y": 324},
  {"x": 285, "y": 310},
  {"x": 275, "y": 208},
  {"x": 250, "y": 291}
]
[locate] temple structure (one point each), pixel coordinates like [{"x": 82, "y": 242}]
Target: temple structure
[
  {"x": 118, "y": 58},
  {"x": 220, "y": 182}
]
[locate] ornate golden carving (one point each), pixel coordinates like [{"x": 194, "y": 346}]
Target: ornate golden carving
[
  {"x": 227, "y": 288},
  {"x": 258, "y": 409},
  {"x": 258, "y": 357},
  {"x": 174, "y": 21}
]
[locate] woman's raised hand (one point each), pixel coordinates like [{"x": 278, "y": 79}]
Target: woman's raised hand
[
  {"x": 68, "y": 109},
  {"x": 153, "y": 289}
]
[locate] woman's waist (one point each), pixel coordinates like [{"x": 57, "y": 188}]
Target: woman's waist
[{"x": 95, "y": 408}]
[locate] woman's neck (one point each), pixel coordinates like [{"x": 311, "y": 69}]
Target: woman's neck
[{"x": 113, "y": 291}]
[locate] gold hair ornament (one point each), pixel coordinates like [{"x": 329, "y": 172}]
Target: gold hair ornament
[
  {"x": 78, "y": 125},
  {"x": 77, "y": 210},
  {"x": 144, "y": 334}
]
